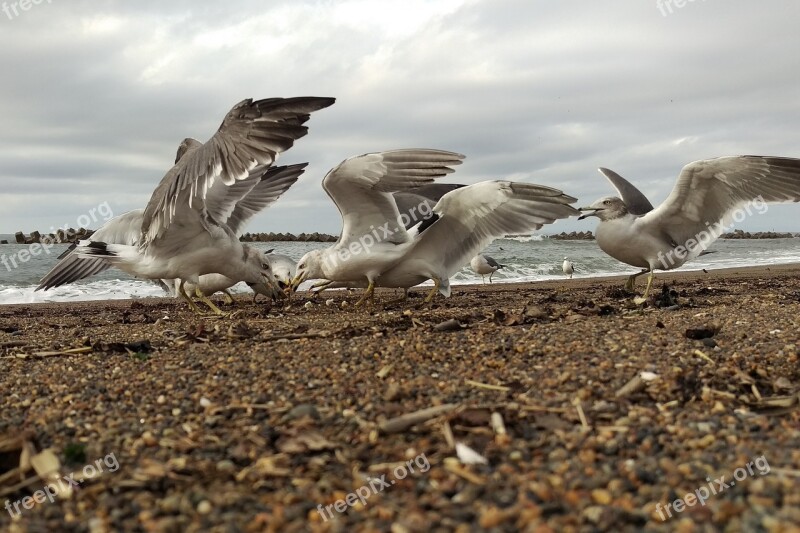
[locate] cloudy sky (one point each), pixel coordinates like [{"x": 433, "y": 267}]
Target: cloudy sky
[{"x": 96, "y": 95}]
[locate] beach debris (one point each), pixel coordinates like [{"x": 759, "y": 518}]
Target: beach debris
[
  {"x": 140, "y": 346},
  {"x": 703, "y": 332},
  {"x": 453, "y": 465},
  {"x": 517, "y": 318},
  {"x": 308, "y": 305},
  {"x": 449, "y": 325},
  {"x": 329, "y": 302},
  {"x": 305, "y": 441},
  {"x": 408, "y": 420},
  {"x": 500, "y": 388},
  {"x": 468, "y": 456},
  {"x": 385, "y": 370},
  {"x": 23, "y": 468},
  {"x": 499, "y": 427}
]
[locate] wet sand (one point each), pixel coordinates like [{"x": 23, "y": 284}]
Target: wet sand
[{"x": 592, "y": 413}]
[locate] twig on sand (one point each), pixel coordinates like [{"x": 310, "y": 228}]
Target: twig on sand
[{"x": 403, "y": 422}]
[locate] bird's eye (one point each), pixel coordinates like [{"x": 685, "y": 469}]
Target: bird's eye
[
  {"x": 607, "y": 202},
  {"x": 302, "y": 266}
]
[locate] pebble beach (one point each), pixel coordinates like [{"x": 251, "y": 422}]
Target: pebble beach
[{"x": 551, "y": 406}]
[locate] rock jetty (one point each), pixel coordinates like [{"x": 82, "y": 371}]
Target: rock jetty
[
  {"x": 573, "y": 236},
  {"x": 286, "y": 237},
  {"x": 69, "y": 235},
  {"x": 739, "y": 234}
]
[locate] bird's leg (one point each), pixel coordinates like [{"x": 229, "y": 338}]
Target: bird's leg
[
  {"x": 649, "y": 283},
  {"x": 428, "y": 299},
  {"x": 632, "y": 279},
  {"x": 490, "y": 277},
  {"x": 369, "y": 293},
  {"x": 228, "y": 297},
  {"x": 185, "y": 296},
  {"x": 217, "y": 311},
  {"x": 483, "y": 279}
]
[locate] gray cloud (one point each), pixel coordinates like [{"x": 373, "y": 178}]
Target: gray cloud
[{"x": 97, "y": 95}]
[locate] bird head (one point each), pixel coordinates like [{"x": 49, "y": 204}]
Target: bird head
[
  {"x": 607, "y": 208},
  {"x": 309, "y": 267}
]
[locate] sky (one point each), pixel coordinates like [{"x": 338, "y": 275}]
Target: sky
[{"x": 96, "y": 95}]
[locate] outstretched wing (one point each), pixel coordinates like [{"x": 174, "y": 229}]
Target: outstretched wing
[
  {"x": 253, "y": 133},
  {"x": 636, "y": 202},
  {"x": 274, "y": 182},
  {"x": 710, "y": 190},
  {"x": 123, "y": 229},
  {"x": 361, "y": 188},
  {"x": 470, "y": 218}
]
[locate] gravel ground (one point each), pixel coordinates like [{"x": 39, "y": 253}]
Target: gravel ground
[{"x": 545, "y": 407}]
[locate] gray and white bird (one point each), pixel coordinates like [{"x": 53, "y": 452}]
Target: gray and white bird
[
  {"x": 467, "y": 220},
  {"x": 373, "y": 234},
  {"x": 270, "y": 184},
  {"x": 483, "y": 264},
  {"x": 181, "y": 233},
  {"x": 707, "y": 194},
  {"x": 568, "y": 268}
]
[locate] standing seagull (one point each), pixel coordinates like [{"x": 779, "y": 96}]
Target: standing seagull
[
  {"x": 467, "y": 220},
  {"x": 373, "y": 233},
  {"x": 568, "y": 268},
  {"x": 182, "y": 235},
  {"x": 704, "y": 198},
  {"x": 483, "y": 264}
]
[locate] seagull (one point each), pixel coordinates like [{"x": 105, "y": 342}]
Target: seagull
[
  {"x": 568, "y": 268},
  {"x": 182, "y": 235},
  {"x": 373, "y": 235},
  {"x": 467, "y": 220},
  {"x": 483, "y": 264},
  {"x": 283, "y": 268},
  {"x": 705, "y": 197},
  {"x": 271, "y": 183},
  {"x": 415, "y": 208}
]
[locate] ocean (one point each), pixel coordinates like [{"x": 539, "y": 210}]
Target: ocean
[{"x": 526, "y": 258}]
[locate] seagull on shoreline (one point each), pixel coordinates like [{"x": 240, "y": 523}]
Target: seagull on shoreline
[
  {"x": 483, "y": 264},
  {"x": 373, "y": 234},
  {"x": 705, "y": 197},
  {"x": 568, "y": 268},
  {"x": 467, "y": 220},
  {"x": 182, "y": 235}
]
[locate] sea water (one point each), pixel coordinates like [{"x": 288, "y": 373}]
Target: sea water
[{"x": 531, "y": 258}]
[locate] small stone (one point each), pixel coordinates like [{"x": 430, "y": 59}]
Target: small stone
[
  {"x": 602, "y": 496},
  {"x": 299, "y": 411},
  {"x": 204, "y": 507},
  {"x": 161, "y": 399},
  {"x": 176, "y": 412},
  {"x": 227, "y": 466},
  {"x": 205, "y": 402}
]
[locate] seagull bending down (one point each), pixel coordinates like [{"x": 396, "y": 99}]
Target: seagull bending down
[
  {"x": 706, "y": 195},
  {"x": 183, "y": 233}
]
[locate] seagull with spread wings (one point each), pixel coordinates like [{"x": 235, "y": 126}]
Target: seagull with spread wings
[
  {"x": 271, "y": 183},
  {"x": 183, "y": 234},
  {"x": 373, "y": 234},
  {"x": 466, "y": 221},
  {"x": 706, "y": 195}
]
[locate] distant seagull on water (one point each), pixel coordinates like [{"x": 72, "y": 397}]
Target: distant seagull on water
[{"x": 568, "y": 268}]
